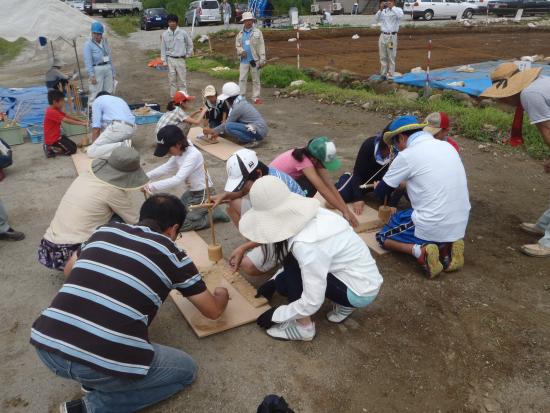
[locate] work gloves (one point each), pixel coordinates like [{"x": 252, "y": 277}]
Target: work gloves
[{"x": 264, "y": 320}]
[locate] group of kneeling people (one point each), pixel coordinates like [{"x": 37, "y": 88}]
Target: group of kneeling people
[{"x": 121, "y": 265}]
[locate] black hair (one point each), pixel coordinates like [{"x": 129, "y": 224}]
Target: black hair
[
  {"x": 279, "y": 251},
  {"x": 173, "y": 134},
  {"x": 102, "y": 93},
  {"x": 300, "y": 153},
  {"x": 406, "y": 133},
  {"x": 386, "y": 129},
  {"x": 254, "y": 175},
  {"x": 162, "y": 211},
  {"x": 170, "y": 106},
  {"x": 231, "y": 99},
  {"x": 172, "y": 18},
  {"x": 55, "y": 96}
]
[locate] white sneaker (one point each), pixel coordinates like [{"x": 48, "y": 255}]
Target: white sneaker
[
  {"x": 531, "y": 228},
  {"x": 339, "y": 313},
  {"x": 291, "y": 330}
]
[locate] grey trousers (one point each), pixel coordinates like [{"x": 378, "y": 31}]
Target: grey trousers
[{"x": 4, "y": 226}]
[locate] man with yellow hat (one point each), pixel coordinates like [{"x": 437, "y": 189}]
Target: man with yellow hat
[
  {"x": 532, "y": 92},
  {"x": 433, "y": 229},
  {"x": 251, "y": 50}
]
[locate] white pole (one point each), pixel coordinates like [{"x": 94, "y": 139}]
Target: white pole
[{"x": 193, "y": 24}]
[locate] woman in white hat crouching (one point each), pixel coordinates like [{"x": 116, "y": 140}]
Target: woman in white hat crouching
[{"x": 321, "y": 254}]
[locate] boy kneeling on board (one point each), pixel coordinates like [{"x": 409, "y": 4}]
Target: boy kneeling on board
[
  {"x": 321, "y": 254},
  {"x": 433, "y": 230}
]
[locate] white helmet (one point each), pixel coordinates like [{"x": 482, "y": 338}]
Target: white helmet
[{"x": 229, "y": 90}]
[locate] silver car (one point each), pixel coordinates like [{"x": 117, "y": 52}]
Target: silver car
[{"x": 203, "y": 11}]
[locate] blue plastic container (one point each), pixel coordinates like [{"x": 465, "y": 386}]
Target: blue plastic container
[{"x": 36, "y": 133}]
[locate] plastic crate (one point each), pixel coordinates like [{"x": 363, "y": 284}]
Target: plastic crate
[
  {"x": 145, "y": 119},
  {"x": 13, "y": 135},
  {"x": 72, "y": 130},
  {"x": 36, "y": 134}
]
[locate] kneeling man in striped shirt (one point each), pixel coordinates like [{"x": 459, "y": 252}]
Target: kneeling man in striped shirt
[{"x": 96, "y": 329}]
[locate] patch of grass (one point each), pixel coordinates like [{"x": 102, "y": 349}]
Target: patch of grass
[
  {"x": 124, "y": 25},
  {"x": 10, "y": 50},
  {"x": 281, "y": 75}
]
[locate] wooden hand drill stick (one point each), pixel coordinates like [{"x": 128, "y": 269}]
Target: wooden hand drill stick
[{"x": 214, "y": 250}]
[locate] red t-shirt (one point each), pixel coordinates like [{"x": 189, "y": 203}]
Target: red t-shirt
[
  {"x": 455, "y": 145},
  {"x": 52, "y": 125}
]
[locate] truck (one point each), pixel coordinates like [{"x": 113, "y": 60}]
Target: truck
[{"x": 112, "y": 8}]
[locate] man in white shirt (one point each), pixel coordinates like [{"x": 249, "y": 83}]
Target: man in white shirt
[
  {"x": 532, "y": 91},
  {"x": 185, "y": 167},
  {"x": 113, "y": 125},
  {"x": 433, "y": 230},
  {"x": 176, "y": 46},
  {"x": 389, "y": 18}
]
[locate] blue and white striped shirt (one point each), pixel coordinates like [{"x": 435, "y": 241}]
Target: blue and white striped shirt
[
  {"x": 288, "y": 180},
  {"x": 101, "y": 315}
]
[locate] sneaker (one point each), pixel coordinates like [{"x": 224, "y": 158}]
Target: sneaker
[
  {"x": 291, "y": 330},
  {"x": 457, "y": 256},
  {"x": 75, "y": 406},
  {"x": 85, "y": 390},
  {"x": 49, "y": 152},
  {"x": 258, "y": 101},
  {"x": 429, "y": 260},
  {"x": 339, "y": 313},
  {"x": 12, "y": 235},
  {"x": 535, "y": 250},
  {"x": 531, "y": 228},
  {"x": 251, "y": 144}
]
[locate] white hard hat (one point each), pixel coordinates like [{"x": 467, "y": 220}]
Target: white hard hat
[{"x": 229, "y": 90}]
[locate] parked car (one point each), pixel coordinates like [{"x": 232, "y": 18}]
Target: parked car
[
  {"x": 152, "y": 18},
  {"x": 510, "y": 7},
  {"x": 481, "y": 6},
  {"x": 445, "y": 9},
  {"x": 204, "y": 11},
  {"x": 79, "y": 5},
  {"x": 240, "y": 8}
]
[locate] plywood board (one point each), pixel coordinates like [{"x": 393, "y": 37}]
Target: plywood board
[
  {"x": 81, "y": 161},
  {"x": 372, "y": 243},
  {"x": 221, "y": 150},
  {"x": 240, "y": 283},
  {"x": 239, "y": 311},
  {"x": 368, "y": 220}
]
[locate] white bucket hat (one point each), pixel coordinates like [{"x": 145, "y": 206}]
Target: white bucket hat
[{"x": 276, "y": 214}]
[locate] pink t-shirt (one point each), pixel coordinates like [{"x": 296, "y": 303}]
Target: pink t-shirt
[{"x": 286, "y": 163}]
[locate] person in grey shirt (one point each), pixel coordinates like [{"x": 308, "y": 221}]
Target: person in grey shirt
[
  {"x": 226, "y": 10},
  {"x": 54, "y": 76},
  {"x": 244, "y": 122},
  {"x": 176, "y": 46},
  {"x": 532, "y": 91}
]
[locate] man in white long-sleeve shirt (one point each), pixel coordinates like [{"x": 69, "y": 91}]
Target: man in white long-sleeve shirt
[
  {"x": 176, "y": 46},
  {"x": 389, "y": 18},
  {"x": 185, "y": 166}
]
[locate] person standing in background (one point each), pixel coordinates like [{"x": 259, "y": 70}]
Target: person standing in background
[
  {"x": 389, "y": 18},
  {"x": 99, "y": 63},
  {"x": 251, "y": 49},
  {"x": 176, "y": 46},
  {"x": 54, "y": 76},
  {"x": 226, "y": 11}
]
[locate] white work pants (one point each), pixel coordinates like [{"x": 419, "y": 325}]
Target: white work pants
[
  {"x": 177, "y": 75},
  {"x": 105, "y": 81},
  {"x": 387, "y": 46},
  {"x": 112, "y": 137},
  {"x": 243, "y": 79}
]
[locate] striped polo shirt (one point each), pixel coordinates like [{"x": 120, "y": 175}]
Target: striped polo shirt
[
  {"x": 101, "y": 315},
  {"x": 288, "y": 180}
]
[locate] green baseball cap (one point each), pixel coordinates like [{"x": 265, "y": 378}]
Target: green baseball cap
[{"x": 324, "y": 150}]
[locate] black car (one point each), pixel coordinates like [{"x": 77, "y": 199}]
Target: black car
[
  {"x": 152, "y": 18},
  {"x": 510, "y": 7}
]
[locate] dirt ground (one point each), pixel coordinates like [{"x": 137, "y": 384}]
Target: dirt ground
[
  {"x": 450, "y": 47},
  {"x": 473, "y": 341}
]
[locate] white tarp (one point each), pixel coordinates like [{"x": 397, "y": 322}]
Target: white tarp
[{"x": 52, "y": 19}]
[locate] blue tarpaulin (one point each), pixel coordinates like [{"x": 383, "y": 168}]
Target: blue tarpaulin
[
  {"x": 474, "y": 83},
  {"x": 36, "y": 97}
]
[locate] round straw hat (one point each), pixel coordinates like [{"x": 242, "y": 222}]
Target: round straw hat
[
  {"x": 122, "y": 169},
  {"x": 508, "y": 80},
  {"x": 276, "y": 214}
]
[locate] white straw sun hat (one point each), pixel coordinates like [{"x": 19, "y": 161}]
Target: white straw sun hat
[{"x": 276, "y": 214}]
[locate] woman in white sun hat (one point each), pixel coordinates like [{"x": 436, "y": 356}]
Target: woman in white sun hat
[{"x": 321, "y": 254}]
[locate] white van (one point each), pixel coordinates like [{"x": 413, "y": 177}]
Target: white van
[
  {"x": 204, "y": 11},
  {"x": 446, "y": 9}
]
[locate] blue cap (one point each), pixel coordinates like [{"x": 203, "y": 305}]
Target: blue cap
[
  {"x": 400, "y": 125},
  {"x": 97, "y": 27}
]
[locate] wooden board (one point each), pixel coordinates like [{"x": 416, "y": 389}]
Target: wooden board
[
  {"x": 239, "y": 310},
  {"x": 221, "y": 150},
  {"x": 372, "y": 243},
  {"x": 81, "y": 161},
  {"x": 368, "y": 220}
]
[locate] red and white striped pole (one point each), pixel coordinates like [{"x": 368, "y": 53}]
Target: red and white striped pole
[
  {"x": 298, "y": 49},
  {"x": 427, "y": 87}
]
